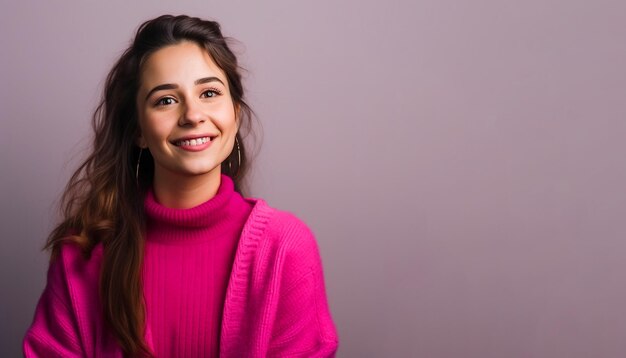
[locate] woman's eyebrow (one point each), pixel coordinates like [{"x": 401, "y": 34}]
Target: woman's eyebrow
[
  {"x": 208, "y": 79},
  {"x": 160, "y": 88},
  {"x": 167, "y": 86}
]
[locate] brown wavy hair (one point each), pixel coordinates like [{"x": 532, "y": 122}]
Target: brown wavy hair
[{"x": 103, "y": 200}]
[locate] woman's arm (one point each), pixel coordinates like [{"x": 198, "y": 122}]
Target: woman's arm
[
  {"x": 303, "y": 325},
  {"x": 54, "y": 331}
]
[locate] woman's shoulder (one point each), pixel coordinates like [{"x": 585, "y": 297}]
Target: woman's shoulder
[
  {"x": 278, "y": 224},
  {"x": 79, "y": 269},
  {"x": 281, "y": 233}
]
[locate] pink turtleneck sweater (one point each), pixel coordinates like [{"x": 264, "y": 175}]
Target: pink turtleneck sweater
[
  {"x": 188, "y": 257},
  {"x": 232, "y": 275}
]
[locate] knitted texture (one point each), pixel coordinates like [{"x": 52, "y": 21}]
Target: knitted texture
[
  {"x": 275, "y": 301},
  {"x": 187, "y": 262}
]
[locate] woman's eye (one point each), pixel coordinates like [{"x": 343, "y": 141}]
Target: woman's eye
[
  {"x": 210, "y": 93},
  {"x": 165, "y": 101}
]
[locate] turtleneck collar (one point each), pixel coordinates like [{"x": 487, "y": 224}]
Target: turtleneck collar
[{"x": 217, "y": 214}]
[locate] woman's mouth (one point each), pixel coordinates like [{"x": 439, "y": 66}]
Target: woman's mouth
[{"x": 192, "y": 142}]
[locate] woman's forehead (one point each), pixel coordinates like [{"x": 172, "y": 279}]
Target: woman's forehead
[{"x": 179, "y": 63}]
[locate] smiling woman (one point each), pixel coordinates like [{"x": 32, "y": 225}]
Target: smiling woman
[
  {"x": 159, "y": 252},
  {"x": 188, "y": 121}
]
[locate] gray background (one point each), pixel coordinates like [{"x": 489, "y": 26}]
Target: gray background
[{"x": 460, "y": 162}]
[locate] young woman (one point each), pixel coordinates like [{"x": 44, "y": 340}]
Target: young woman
[{"x": 159, "y": 253}]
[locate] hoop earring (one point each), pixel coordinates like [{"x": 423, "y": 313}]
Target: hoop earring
[
  {"x": 238, "y": 153},
  {"x": 137, "y": 167},
  {"x": 238, "y": 156}
]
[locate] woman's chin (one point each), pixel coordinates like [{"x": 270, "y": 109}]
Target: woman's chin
[{"x": 199, "y": 171}]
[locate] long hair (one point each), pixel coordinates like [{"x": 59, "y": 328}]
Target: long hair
[{"x": 103, "y": 200}]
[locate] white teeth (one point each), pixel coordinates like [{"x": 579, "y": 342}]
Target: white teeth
[{"x": 193, "y": 142}]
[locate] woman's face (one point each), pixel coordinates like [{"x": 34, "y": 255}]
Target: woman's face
[{"x": 186, "y": 114}]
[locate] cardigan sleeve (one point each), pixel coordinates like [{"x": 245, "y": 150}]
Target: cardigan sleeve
[
  {"x": 303, "y": 326},
  {"x": 53, "y": 332}
]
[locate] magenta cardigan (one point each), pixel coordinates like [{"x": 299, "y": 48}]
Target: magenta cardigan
[{"x": 275, "y": 303}]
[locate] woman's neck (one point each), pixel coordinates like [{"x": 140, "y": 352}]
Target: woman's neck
[{"x": 177, "y": 191}]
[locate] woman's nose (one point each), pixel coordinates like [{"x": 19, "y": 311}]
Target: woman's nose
[{"x": 192, "y": 113}]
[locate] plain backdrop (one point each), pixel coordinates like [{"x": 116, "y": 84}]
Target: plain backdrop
[{"x": 460, "y": 162}]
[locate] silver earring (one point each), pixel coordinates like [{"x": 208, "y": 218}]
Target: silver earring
[
  {"x": 238, "y": 156},
  {"x": 238, "y": 153},
  {"x": 137, "y": 168}
]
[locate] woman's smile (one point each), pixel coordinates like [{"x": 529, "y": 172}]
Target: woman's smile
[
  {"x": 194, "y": 144},
  {"x": 184, "y": 106}
]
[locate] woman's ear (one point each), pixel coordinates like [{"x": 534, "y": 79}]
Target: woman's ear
[
  {"x": 141, "y": 142},
  {"x": 237, "y": 115}
]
